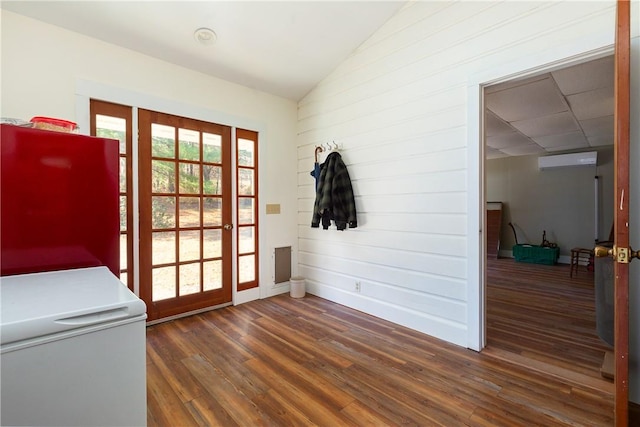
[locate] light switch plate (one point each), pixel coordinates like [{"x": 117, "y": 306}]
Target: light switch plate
[{"x": 273, "y": 209}]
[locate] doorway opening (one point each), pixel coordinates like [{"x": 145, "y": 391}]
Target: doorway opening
[{"x": 537, "y": 314}]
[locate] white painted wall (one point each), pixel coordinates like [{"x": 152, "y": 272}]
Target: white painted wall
[
  {"x": 559, "y": 201},
  {"x": 45, "y": 69},
  {"x": 405, "y": 110}
]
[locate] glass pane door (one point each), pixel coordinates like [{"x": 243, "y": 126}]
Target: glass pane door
[
  {"x": 115, "y": 121},
  {"x": 247, "y": 203},
  {"x": 185, "y": 190}
]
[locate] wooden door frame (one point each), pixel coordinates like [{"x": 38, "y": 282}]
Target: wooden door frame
[
  {"x": 86, "y": 90},
  {"x": 621, "y": 216},
  {"x": 477, "y": 262},
  {"x": 187, "y": 304},
  {"x": 124, "y": 112},
  {"x": 477, "y": 245},
  {"x": 476, "y": 253}
]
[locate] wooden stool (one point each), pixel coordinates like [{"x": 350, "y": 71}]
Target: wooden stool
[{"x": 577, "y": 255}]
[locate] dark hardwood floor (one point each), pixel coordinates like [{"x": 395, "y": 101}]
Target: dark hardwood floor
[
  {"x": 538, "y": 314},
  {"x": 302, "y": 362}
]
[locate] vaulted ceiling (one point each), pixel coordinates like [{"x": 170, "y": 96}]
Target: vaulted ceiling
[
  {"x": 280, "y": 47},
  {"x": 287, "y": 47}
]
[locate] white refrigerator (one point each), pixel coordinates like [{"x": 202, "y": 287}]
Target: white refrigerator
[{"x": 72, "y": 350}]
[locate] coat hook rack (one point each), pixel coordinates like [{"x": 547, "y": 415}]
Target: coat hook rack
[{"x": 329, "y": 146}]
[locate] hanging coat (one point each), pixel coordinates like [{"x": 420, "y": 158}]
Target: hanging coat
[
  {"x": 316, "y": 173},
  {"x": 334, "y": 195}
]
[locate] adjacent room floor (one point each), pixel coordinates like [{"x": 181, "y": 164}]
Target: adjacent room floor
[{"x": 539, "y": 316}]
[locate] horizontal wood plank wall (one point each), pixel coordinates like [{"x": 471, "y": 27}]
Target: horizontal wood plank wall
[{"x": 397, "y": 108}]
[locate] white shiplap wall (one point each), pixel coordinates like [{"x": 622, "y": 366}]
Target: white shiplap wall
[{"x": 398, "y": 108}]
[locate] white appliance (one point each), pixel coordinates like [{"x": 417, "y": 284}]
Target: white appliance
[
  {"x": 568, "y": 160},
  {"x": 72, "y": 350}
]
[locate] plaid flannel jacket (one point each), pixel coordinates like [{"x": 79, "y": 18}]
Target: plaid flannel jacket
[{"x": 334, "y": 195}]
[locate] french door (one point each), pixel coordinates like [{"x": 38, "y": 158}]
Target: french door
[
  {"x": 185, "y": 214},
  {"x": 621, "y": 209},
  {"x": 247, "y": 204},
  {"x": 176, "y": 225},
  {"x": 622, "y": 252},
  {"x": 114, "y": 121}
]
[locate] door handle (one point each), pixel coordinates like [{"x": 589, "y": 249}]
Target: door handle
[
  {"x": 228, "y": 226},
  {"x": 621, "y": 255},
  {"x": 602, "y": 252}
]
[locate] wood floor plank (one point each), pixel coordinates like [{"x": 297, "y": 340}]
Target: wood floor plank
[
  {"x": 235, "y": 403},
  {"x": 166, "y": 352},
  {"x": 537, "y": 314},
  {"x": 283, "y": 316},
  {"x": 281, "y": 409},
  {"x": 303, "y": 377},
  {"x": 164, "y": 407},
  {"x": 440, "y": 407},
  {"x": 312, "y": 348},
  {"x": 377, "y": 397},
  {"x": 568, "y": 376},
  {"x": 209, "y": 335},
  {"x": 207, "y": 411},
  {"x": 305, "y": 362},
  {"x": 233, "y": 371},
  {"x": 538, "y": 310},
  {"x": 317, "y": 410},
  {"x": 271, "y": 344},
  {"x": 363, "y": 415},
  {"x": 560, "y": 410},
  {"x": 500, "y": 417},
  {"x": 233, "y": 323}
]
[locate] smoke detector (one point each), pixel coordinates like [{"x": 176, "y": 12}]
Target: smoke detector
[{"x": 205, "y": 36}]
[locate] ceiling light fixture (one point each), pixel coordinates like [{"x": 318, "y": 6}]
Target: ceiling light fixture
[{"x": 205, "y": 36}]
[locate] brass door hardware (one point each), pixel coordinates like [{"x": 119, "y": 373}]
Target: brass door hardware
[{"x": 621, "y": 255}]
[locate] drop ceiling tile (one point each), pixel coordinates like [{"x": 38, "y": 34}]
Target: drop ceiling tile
[
  {"x": 598, "y": 127},
  {"x": 567, "y": 148},
  {"x": 548, "y": 125},
  {"x": 575, "y": 139},
  {"x": 491, "y": 153},
  {"x": 585, "y": 77},
  {"x": 515, "y": 83},
  {"x": 494, "y": 125},
  {"x": 501, "y": 141},
  {"x": 496, "y": 155},
  {"x": 598, "y": 141},
  {"x": 520, "y": 102},
  {"x": 592, "y": 104},
  {"x": 537, "y": 99},
  {"x": 523, "y": 150}
]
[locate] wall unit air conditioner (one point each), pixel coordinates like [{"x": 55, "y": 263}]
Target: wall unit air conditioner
[{"x": 568, "y": 160}]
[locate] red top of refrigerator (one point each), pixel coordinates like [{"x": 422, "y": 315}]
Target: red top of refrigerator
[{"x": 59, "y": 201}]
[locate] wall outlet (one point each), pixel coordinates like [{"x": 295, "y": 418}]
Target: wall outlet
[{"x": 357, "y": 287}]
